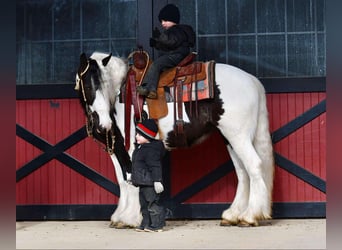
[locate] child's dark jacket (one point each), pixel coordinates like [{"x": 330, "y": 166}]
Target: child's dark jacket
[
  {"x": 146, "y": 163},
  {"x": 177, "y": 39}
]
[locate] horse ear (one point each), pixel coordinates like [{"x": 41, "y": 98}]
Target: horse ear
[
  {"x": 106, "y": 60},
  {"x": 83, "y": 60}
]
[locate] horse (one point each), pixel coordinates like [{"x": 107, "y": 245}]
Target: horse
[{"x": 238, "y": 111}]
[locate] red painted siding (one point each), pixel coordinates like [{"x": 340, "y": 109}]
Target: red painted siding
[
  {"x": 55, "y": 183},
  {"x": 189, "y": 165},
  {"x": 305, "y": 147}
]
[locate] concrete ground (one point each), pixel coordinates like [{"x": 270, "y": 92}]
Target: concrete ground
[{"x": 180, "y": 234}]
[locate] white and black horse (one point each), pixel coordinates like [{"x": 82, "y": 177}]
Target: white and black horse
[{"x": 238, "y": 111}]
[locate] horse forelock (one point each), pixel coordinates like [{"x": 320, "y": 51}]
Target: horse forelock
[{"x": 111, "y": 76}]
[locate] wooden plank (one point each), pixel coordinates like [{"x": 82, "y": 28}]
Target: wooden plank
[
  {"x": 74, "y": 124},
  {"x": 29, "y": 150},
  {"x": 315, "y": 152},
  {"x": 284, "y": 144},
  {"x": 299, "y": 187},
  {"x": 292, "y": 145},
  {"x": 45, "y": 171}
]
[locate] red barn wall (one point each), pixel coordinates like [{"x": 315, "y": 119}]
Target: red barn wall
[{"x": 55, "y": 183}]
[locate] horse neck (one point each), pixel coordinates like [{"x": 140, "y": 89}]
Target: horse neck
[
  {"x": 119, "y": 117},
  {"x": 113, "y": 78}
]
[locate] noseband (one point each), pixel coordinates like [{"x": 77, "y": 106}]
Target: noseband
[{"x": 90, "y": 119}]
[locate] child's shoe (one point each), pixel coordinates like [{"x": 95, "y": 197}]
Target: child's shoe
[
  {"x": 140, "y": 229},
  {"x": 151, "y": 229}
]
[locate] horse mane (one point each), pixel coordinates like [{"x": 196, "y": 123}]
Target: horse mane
[{"x": 112, "y": 74}]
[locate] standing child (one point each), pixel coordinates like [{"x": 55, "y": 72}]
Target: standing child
[
  {"x": 174, "y": 45},
  {"x": 147, "y": 175}
]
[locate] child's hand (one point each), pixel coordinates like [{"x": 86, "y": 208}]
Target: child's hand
[
  {"x": 129, "y": 177},
  {"x": 156, "y": 33},
  {"x": 158, "y": 187}
]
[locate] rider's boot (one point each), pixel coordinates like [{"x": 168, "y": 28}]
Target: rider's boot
[{"x": 145, "y": 92}]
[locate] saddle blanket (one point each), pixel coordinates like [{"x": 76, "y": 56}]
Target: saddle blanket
[{"x": 200, "y": 90}]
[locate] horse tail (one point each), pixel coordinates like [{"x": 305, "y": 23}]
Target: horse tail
[{"x": 263, "y": 142}]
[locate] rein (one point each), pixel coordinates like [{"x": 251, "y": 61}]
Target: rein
[
  {"x": 90, "y": 120},
  {"x": 81, "y": 81}
]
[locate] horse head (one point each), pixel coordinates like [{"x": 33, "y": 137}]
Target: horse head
[{"x": 98, "y": 82}]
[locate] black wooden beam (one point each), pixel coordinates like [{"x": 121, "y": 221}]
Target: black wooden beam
[
  {"x": 294, "y": 85},
  {"x": 299, "y": 122},
  {"x": 50, "y": 152},
  {"x": 46, "y": 91},
  {"x": 58, "y": 153},
  {"x": 203, "y": 183},
  {"x": 280, "y": 210},
  {"x": 272, "y": 85},
  {"x": 300, "y": 172}
]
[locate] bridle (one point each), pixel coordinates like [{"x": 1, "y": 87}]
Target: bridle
[{"x": 90, "y": 119}]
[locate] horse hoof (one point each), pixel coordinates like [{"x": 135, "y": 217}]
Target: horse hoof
[
  {"x": 226, "y": 223},
  {"x": 113, "y": 224},
  {"x": 247, "y": 224},
  {"x": 121, "y": 225}
]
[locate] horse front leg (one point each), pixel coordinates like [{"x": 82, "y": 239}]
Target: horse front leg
[{"x": 127, "y": 214}]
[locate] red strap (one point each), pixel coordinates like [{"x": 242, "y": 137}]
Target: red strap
[
  {"x": 137, "y": 100},
  {"x": 128, "y": 104}
]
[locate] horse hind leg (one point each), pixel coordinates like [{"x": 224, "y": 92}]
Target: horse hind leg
[
  {"x": 251, "y": 172},
  {"x": 259, "y": 204},
  {"x": 240, "y": 202}
]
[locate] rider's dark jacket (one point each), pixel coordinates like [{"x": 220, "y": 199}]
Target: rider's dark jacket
[
  {"x": 146, "y": 163},
  {"x": 177, "y": 39}
]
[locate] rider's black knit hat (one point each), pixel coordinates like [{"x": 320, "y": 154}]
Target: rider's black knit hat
[
  {"x": 148, "y": 129},
  {"x": 169, "y": 12}
]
